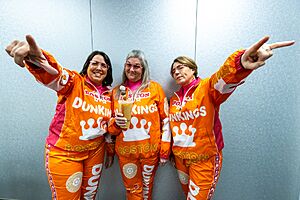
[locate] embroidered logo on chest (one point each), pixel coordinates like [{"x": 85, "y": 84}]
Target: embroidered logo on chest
[{"x": 97, "y": 97}]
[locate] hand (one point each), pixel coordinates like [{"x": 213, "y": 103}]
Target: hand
[
  {"x": 22, "y": 50},
  {"x": 163, "y": 161},
  {"x": 256, "y": 55},
  {"x": 120, "y": 120},
  {"x": 109, "y": 160}
]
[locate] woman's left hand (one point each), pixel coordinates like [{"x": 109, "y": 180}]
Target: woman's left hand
[
  {"x": 256, "y": 55},
  {"x": 163, "y": 161},
  {"x": 109, "y": 160}
]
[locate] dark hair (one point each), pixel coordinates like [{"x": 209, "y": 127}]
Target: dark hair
[{"x": 108, "y": 79}]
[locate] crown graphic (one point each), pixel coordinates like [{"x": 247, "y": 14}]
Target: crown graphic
[
  {"x": 135, "y": 133},
  {"x": 184, "y": 140},
  {"x": 91, "y": 132}
]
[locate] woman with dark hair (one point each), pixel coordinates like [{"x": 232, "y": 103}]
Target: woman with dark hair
[
  {"x": 146, "y": 141},
  {"x": 194, "y": 115},
  {"x": 75, "y": 146}
]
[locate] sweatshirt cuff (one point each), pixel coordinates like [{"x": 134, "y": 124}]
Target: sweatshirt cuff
[
  {"x": 238, "y": 62},
  {"x": 113, "y": 128},
  {"x": 42, "y": 63}
]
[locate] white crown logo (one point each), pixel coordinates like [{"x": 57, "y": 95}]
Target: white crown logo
[
  {"x": 91, "y": 132},
  {"x": 137, "y": 134},
  {"x": 184, "y": 140}
]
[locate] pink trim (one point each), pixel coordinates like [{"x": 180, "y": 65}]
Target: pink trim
[
  {"x": 56, "y": 124},
  {"x": 238, "y": 63},
  {"x": 100, "y": 88},
  {"x": 133, "y": 85},
  {"x": 218, "y": 132},
  {"x": 184, "y": 89},
  {"x": 51, "y": 184},
  {"x": 216, "y": 177}
]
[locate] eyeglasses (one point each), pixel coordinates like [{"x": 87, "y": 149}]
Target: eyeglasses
[
  {"x": 96, "y": 64},
  {"x": 178, "y": 67},
  {"x": 135, "y": 67}
]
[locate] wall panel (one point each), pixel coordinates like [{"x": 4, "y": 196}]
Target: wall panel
[
  {"x": 62, "y": 28},
  {"x": 261, "y": 119}
]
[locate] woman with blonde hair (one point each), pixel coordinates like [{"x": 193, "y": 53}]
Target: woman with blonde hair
[
  {"x": 194, "y": 115},
  {"x": 146, "y": 141}
]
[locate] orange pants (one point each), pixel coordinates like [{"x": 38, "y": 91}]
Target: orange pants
[
  {"x": 138, "y": 176},
  {"x": 73, "y": 175},
  {"x": 199, "y": 179}
]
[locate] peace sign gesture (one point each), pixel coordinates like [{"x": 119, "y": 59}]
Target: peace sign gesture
[{"x": 256, "y": 55}]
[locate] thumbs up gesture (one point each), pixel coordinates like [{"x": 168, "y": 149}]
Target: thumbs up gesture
[{"x": 24, "y": 50}]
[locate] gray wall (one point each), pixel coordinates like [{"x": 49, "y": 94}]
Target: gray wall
[{"x": 261, "y": 121}]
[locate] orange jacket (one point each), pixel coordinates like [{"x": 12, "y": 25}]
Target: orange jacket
[
  {"x": 81, "y": 117},
  {"x": 149, "y": 132},
  {"x": 194, "y": 121}
]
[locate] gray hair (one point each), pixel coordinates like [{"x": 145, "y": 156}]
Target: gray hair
[{"x": 141, "y": 56}]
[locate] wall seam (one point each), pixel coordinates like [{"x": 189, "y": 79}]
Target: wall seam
[
  {"x": 91, "y": 21},
  {"x": 196, "y": 27}
]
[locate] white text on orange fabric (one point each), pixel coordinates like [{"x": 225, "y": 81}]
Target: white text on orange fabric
[
  {"x": 97, "y": 109},
  {"x": 189, "y": 114}
]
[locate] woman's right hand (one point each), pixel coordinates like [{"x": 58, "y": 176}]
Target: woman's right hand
[
  {"x": 120, "y": 120},
  {"x": 21, "y": 50}
]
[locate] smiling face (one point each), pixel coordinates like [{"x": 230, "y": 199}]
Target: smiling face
[
  {"x": 97, "y": 70},
  {"x": 133, "y": 69},
  {"x": 182, "y": 74}
]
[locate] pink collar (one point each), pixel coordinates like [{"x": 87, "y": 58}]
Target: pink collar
[
  {"x": 183, "y": 90},
  {"x": 133, "y": 85},
  {"x": 100, "y": 88}
]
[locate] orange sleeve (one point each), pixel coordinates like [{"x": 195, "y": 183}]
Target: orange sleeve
[
  {"x": 113, "y": 128},
  {"x": 230, "y": 75},
  {"x": 49, "y": 73},
  {"x": 163, "y": 109}
]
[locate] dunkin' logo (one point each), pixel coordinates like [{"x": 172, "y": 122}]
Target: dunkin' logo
[
  {"x": 179, "y": 104},
  {"x": 97, "y": 97},
  {"x": 140, "y": 95},
  {"x": 175, "y": 103}
]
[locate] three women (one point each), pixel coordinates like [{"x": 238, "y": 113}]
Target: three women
[{"x": 75, "y": 145}]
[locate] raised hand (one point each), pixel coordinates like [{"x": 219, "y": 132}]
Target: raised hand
[
  {"x": 23, "y": 50},
  {"x": 256, "y": 55}
]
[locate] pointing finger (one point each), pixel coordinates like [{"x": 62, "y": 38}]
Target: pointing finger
[
  {"x": 281, "y": 44},
  {"x": 32, "y": 44},
  {"x": 253, "y": 49}
]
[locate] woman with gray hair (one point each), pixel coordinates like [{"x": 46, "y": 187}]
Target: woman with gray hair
[{"x": 143, "y": 138}]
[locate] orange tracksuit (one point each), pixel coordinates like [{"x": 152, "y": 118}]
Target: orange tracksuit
[
  {"x": 197, "y": 131},
  {"x": 74, "y": 151},
  {"x": 148, "y": 138}
]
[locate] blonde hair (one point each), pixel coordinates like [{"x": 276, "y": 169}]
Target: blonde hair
[
  {"x": 190, "y": 63},
  {"x": 146, "y": 72},
  {"x": 141, "y": 56}
]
